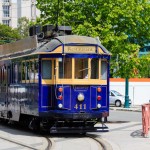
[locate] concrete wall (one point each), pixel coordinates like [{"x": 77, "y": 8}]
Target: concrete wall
[{"x": 139, "y": 89}]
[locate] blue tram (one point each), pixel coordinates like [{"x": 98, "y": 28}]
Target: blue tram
[{"x": 61, "y": 84}]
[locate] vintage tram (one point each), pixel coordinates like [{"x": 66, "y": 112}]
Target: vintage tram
[{"x": 60, "y": 84}]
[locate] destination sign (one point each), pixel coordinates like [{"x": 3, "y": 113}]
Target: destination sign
[{"x": 80, "y": 49}]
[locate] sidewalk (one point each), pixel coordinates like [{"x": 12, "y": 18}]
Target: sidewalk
[
  {"x": 125, "y": 136},
  {"x": 135, "y": 108}
]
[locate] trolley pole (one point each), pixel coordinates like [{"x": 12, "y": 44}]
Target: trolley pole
[{"x": 126, "y": 104}]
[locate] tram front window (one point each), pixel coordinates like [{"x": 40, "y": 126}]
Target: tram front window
[
  {"x": 95, "y": 68},
  {"x": 81, "y": 68},
  {"x": 65, "y": 68}
]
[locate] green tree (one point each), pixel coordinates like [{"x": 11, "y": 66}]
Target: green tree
[
  {"x": 23, "y": 27},
  {"x": 7, "y": 34},
  {"x": 144, "y": 66},
  {"x": 122, "y": 26}
]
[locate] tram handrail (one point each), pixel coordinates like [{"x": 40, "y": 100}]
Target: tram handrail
[{"x": 146, "y": 119}]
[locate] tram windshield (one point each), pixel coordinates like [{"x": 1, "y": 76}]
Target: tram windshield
[
  {"x": 65, "y": 68},
  {"x": 82, "y": 68}
]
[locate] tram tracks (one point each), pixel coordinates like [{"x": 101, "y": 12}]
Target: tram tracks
[
  {"x": 103, "y": 145},
  {"x": 76, "y": 142},
  {"x": 47, "y": 143},
  {"x": 17, "y": 142}
]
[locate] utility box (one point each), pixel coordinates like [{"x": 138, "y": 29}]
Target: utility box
[
  {"x": 35, "y": 30},
  {"x": 48, "y": 30},
  {"x": 64, "y": 30}
]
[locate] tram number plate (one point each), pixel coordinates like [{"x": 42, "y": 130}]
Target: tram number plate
[{"x": 80, "y": 106}]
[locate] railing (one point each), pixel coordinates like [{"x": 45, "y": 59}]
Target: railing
[{"x": 146, "y": 119}]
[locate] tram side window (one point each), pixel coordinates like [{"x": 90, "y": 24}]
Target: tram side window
[
  {"x": 0, "y": 75},
  {"x": 36, "y": 67},
  {"x": 9, "y": 74},
  {"x": 28, "y": 71},
  {"x": 94, "y": 68},
  {"x": 81, "y": 68},
  {"x": 5, "y": 75},
  {"x": 46, "y": 69},
  {"x": 15, "y": 73},
  {"x": 65, "y": 68},
  {"x": 19, "y": 72},
  {"x": 23, "y": 70},
  {"x": 103, "y": 70},
  {"x": 32, "y": 71}
]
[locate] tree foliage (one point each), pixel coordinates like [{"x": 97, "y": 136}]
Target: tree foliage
[
  {"x": 23, "y": 26},
  {"x": 122, "y": 26},
  {"x": 7, "y": 34}
]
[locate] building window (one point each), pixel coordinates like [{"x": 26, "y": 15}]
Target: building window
[
  {"x": 5, "y": 11},
  {"x": 6, "y": 22},
  {"x": 5, "y": 1}
]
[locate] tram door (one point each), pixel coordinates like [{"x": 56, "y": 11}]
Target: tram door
[{"x": 47, "y": 82}]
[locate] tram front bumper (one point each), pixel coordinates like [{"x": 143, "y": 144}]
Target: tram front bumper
[
  {"x": 103, "y": 128},
  {"x": 74, "y": 116}
]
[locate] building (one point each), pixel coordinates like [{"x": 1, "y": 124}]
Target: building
[
  {"x": 139, "y": 89},
  {"x": 144, "y": 50},
  {"x": 12, "y": 10}
]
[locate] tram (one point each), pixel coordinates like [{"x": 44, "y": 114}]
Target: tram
[{"x": 60, "y": 83}]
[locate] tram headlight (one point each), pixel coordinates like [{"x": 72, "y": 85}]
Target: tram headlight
[
  {"x": 60, "y": 105},
  {"x": 80, "y": 97},
  {"x": 98, "y": 105}
]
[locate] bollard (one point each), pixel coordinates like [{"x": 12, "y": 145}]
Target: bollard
[{"x": 146, "y": 119}]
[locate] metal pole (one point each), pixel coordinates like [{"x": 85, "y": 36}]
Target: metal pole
[{"x": 126, "y": 104}]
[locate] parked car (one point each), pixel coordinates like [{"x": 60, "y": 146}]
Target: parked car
[{"x": 117, "y": 99}]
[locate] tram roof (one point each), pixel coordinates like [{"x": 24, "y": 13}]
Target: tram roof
[
  {"x": 31, "y": 46},
  {"x": 75, "y": 40}
]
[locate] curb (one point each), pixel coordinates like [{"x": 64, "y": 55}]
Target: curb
[{"x": 126, "y": 109}]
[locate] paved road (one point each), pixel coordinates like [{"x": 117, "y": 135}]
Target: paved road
[
  {"x": 125, "y": 116},
  {"x": 19, "y": 136}
]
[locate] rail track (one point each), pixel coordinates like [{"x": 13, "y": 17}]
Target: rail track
[
  {"x": 52, "y": 142},
  {"x": 47, "y": 143},
  {"x": 77, "y": 142},
  {"x": 103, "y": 145}
]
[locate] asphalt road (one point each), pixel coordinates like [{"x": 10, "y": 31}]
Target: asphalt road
[{"x": 124, "y": 116}]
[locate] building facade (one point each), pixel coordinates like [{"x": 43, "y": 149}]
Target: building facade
[
  {"x": 12, "y": 10},
  {"x": 139, "y": 89}
]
